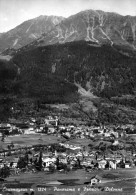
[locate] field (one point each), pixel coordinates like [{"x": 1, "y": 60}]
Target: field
[
  {"x": 76, "y": 179},
  {"x": 34, "y": 139},
  {"x": 29, "y": 140}
]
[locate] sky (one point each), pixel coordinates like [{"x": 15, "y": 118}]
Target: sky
[{"x": 14, "y": 12}]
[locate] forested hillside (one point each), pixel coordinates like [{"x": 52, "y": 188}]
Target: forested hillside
[
  {"x": 52, "y": 72},
  {"x": 8, "y": 75}
]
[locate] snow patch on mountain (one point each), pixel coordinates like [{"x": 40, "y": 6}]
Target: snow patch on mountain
[
  {"x": 53, "y": 68},
  {"x": 29, "y": 27},
  {"x": 55, "y": 20},
  {"x": 33, "y": 36},
  {"x": 15, "y": 42},
  {"x": 107, "y": 36}
]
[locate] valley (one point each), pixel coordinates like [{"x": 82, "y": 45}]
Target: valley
[{"x": 68, "y": 105}]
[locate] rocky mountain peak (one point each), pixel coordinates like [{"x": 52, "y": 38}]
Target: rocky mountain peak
[
  {"x": 28, "y": 31},
  {"x": 96, "y": 26}
]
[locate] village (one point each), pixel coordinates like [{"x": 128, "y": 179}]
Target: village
[{"x": 88, "y": 148}]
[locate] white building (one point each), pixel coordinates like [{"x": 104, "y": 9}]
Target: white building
[
  {"x": 102, "y": 164},
  {"x": 113, "y": 164},
  {"x": 48, "y": 161}
]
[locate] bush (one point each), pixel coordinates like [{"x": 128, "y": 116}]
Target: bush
[{"x": 4, "y": 172}]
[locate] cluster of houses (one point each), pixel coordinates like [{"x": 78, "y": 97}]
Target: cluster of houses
[
  {"x": 74, "y": 156},
  {"x": 51, "y": 125},
  {"x": 44, "y": 125}
]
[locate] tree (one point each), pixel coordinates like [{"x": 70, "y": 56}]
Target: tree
[
  {"x": 107, "y": 165},
  {"x": 21, "y": 163},
  {"x": 57, "y": 162},
  {"x": 40, "y": 161},
  {"x": 26, "y": 158},
  {"x": 51, "y": 168},
  {"x": 12, "y": 145},
  {"x": 31, "y": 161},
  {"x": 11, "y": 164},
  {"x": 5, "y": 108},
  {"x": 78, "y": 163},
  {"x": 107, "y": 114},
  {"x": 88, "y": 114},
  {"x": 5, "y": 172},
  {"x": 3, "y": 137}
]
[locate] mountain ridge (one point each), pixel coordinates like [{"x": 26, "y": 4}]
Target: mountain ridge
[
  {"x": 27, "y": 31},
  {"x": 95, "y": 26},
  {"x": 90, "y": 25}
]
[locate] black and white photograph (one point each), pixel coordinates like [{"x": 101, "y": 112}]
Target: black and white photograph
[{"x": 67, "y": 97}]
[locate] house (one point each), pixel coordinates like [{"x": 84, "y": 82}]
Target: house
[
  {"x": 127, "y": 165},
  {"x": 14, "y": 164},
  {"x": 38, "y": 130},
  {"x": 84, "y": 163},
  {"x": 95, "y": 180},
  {"x": 85, "y": 153},
  {"x": 51, "y": 121},
  {"x": 101, "y": 164},
  {"x": 107, "y": 134},
  {"x": 63, "y": 160},
  {"x": 48, "y": 161},
  {"x": 51, "y": 129},
  {"x": 116, "y": 134},
  {"x": 67, "y": 134},
  {"x": 1, "y": 165},
  {"x": 113, "y": 164},
  {"x": 79, "y": 154},
  {"x": 30, "y": 130},
  {"x": 116, "y": 142},
  {"x": 15, "y": 161},
  {"x": 118, "y": 159}
]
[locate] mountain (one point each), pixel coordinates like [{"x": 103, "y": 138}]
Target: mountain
[
  {"x": 1, "y": 34},
  {"x": 97, "y": 26},
  {"x": 91, "y": 52},
  {"x": 27, "y": 32}
]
